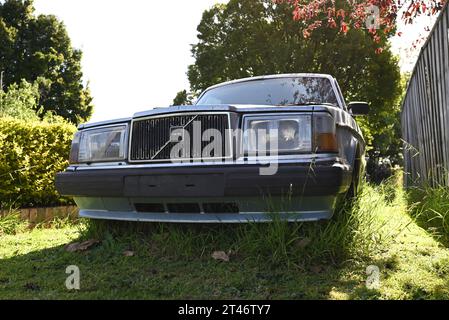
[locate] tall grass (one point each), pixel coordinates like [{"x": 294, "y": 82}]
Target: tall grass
[
  {"x": 430, "y": 208},
  {"x": 11, "y": 224},
  {"x": 356, "y": 231}
]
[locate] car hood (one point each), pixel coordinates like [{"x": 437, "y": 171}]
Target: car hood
[
  {"x": 341, "y": 117},
  {"x": 239, "y": 108}
]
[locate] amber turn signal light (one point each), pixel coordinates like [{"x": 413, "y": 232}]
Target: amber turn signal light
[{"x": 326, "y": 142}]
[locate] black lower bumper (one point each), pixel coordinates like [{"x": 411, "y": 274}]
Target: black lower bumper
[{"x": 216, "y": 181}]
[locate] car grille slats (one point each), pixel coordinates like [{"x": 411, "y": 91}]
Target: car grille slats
[{"x": 150, "y": 137}]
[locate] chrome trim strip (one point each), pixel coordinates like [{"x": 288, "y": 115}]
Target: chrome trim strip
[
  {"x": 105, "y": 126},
  {"x": 249, "y": 217},
  {"x": 290, "y": 159},
  {"x": 89, "y": 125},
  {"x": 181, "y": 114}
]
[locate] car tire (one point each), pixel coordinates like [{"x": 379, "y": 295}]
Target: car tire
[{"x": 353, "y": 190}]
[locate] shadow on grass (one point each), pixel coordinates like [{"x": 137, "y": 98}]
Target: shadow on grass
[
  {"x": 174, "y": 262},
  {"x": 279, "y": 260},
  {"x": 157, "y": 273}
]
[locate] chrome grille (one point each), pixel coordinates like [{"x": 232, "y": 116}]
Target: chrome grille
[{"x": 150, "y": 137}]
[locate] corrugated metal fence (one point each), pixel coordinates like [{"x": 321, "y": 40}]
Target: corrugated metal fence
[{"x": 425, "y": 112}]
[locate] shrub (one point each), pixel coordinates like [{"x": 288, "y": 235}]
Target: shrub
[{"x": 31, "y": 153}]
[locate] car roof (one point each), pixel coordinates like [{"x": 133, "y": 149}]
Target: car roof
[{"x": 273, "y": 76}]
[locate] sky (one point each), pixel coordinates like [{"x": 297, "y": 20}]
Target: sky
[
  {"x": 136, "y": 52},
  {"x": 402, "y": 46}
]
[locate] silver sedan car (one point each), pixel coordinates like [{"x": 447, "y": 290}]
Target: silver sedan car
[{"x": 248, "y": 150}]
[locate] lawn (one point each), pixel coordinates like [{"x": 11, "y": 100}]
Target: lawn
[{"x": 326, "y": 260}]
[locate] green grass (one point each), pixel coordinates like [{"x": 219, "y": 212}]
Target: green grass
[
  {"x": 325, "y": 260},
  {"x": 430, "y": 208}
]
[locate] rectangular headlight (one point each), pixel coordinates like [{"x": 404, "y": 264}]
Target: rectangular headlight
[
  {"x": 283, "y": 134},
  {"x": 102, "y": 144}
]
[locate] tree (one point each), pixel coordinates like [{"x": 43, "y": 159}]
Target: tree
[
  {"x": 38, "y": 49},
  {"x": 379, "y": 16},
  {"x": 256, "y": 37},
  {"x": 183, "y": 98},
  {"x": 20, "y": 101}
]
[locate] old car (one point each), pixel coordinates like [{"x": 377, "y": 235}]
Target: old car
[{"x": 284, "y": 146}]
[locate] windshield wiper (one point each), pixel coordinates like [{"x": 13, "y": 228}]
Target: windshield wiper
[{"x": 306, "y": 104}]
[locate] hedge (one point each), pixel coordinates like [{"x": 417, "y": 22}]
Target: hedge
[{"x": 31, "y": 153}]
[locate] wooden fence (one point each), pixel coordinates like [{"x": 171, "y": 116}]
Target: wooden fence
[
  {"x": 39, "y": 215},
  {"x": 425, "y": 111}
]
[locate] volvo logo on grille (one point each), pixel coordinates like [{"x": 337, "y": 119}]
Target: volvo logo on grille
[{"x": 177, "y": 133}]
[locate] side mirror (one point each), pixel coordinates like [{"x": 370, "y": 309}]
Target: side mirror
[{"x": 358, "y": 108}]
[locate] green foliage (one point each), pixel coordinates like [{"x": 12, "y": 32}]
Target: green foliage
[
  {"x": 31, "y": 153},
  {"x": 39, "y": 48},
  {"x": 183, "y": 98},
  {"x": 247, "y": 38},
  {"x": 20, "y": 101}
]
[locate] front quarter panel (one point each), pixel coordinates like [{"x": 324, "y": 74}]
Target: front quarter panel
[{"x": 349, "y": 135}]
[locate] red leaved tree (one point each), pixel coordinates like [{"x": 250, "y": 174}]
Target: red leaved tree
[{"x": 379, "y": 17}]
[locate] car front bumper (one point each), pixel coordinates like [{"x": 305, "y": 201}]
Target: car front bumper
[{"x": 185, "y": 194}]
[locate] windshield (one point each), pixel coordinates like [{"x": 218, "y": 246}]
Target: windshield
[{"x": 277, "y": 91}]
